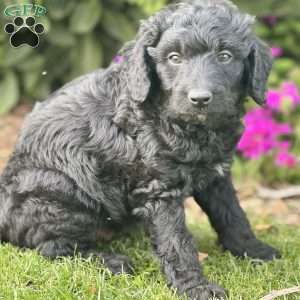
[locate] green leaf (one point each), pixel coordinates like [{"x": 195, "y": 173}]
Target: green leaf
[
  {"x": 41, "y": 91},
  {"x": 274, "y": 79},
  {"x": 255, "y": 7},
  {"x": 13, "y": 56},
  {"x": 288, "y": 9},
  {"x": 47, "y": 24},
  {"x": 9, "y": 92},
  {"x": 87, "y": 56},
  {"x": 281, "y": 29},
  {"x": 57, "y": 63},
  {"x": 59, "y": 9},
  {"x": 283, "y": 65},
  {"x": 149, "y": 6},
  {"x": 118, "y": 26},
  {"x": 34, "y": 62},
  {"x": 262, "y": 30},
  {"x": 60, "y": 36},
  {"x": 295, "y": 76},
  {"x": 30, "y": 80},
  {"x": 3, "y": 35},
  {"x": 85, "y": 16},
  {"x": 295, "y": 25}
]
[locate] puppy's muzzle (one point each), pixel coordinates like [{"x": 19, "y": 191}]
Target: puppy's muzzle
[{"x": 199, "y": 97}]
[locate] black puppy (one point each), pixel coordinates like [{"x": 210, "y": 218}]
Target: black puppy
[{"x": 134, "y": 140}]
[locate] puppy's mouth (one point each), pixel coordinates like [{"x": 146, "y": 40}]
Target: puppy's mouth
[
  {"x": 195, "y": 117},
  {"x": 179, "y": 111}
]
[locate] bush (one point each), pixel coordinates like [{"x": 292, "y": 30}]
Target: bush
[
  {"x": 271, "y": 137},
  {"x": 287, "y": 8},
  {"x": 270, "y": 146},
  {"x": 79, "y": 36}
]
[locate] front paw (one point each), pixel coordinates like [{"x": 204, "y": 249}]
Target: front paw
[
  {"x": 257, "y": 249},
  {"x": 207, "y": 291},
  {"x": 252, "y": 248}
]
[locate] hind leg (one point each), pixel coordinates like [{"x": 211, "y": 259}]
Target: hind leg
[
  {"x": 46, "y": 211},
  {"x": 56, "y": 231},
  {"x": 59, "y": 247}
]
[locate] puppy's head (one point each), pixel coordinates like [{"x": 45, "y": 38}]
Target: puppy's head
[{"x": 206, "y": 59}]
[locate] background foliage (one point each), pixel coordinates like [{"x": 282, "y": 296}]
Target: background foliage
[
  {"x": 279, "y": 25},
  {"x": 82, "y": 35},
  {"x": 79, "y": 36}
]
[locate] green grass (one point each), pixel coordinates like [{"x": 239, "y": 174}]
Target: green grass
[{"x": 26, "y": 275}]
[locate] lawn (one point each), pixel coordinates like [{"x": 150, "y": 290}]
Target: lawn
[{"x": 26, "y": 275}]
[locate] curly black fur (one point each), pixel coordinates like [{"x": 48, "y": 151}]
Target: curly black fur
[{"x": 127, "y": 143}]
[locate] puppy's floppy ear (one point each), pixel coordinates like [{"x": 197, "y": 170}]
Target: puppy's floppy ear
[
  {"x": 138, "y": 76},
  {"x": 260, "y": 62}
]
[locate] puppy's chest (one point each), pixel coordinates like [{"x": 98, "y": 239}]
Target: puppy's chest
[{"x": 175, "y": 169}]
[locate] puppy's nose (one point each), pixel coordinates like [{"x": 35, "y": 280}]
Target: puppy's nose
[{"x": 200, "y": 97}]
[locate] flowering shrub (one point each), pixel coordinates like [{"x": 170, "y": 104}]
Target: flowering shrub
[
  {"x": 285, "y": 98},
  {"x": 276, "y": 51},
  {"x": 270, "y": 145},
  {"x": 264, "y": 132}
]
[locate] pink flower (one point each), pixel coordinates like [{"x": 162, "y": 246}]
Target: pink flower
[
  {"x": 276, "y": 51},
  {"x": 264, "y": 134},
  {"x": 290, "y": 89},
  {"x": 273, "y": 99},
  {"x": 118, "y": 59},
  {"x": 261, "y": 133},
  {"x": 287, "y": 94},
  {"x": 284, "y": 158}
]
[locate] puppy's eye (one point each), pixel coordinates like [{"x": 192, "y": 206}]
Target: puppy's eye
[
  {"x": 175, "y": 58},
  {"x": 225, "y": 56}
]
